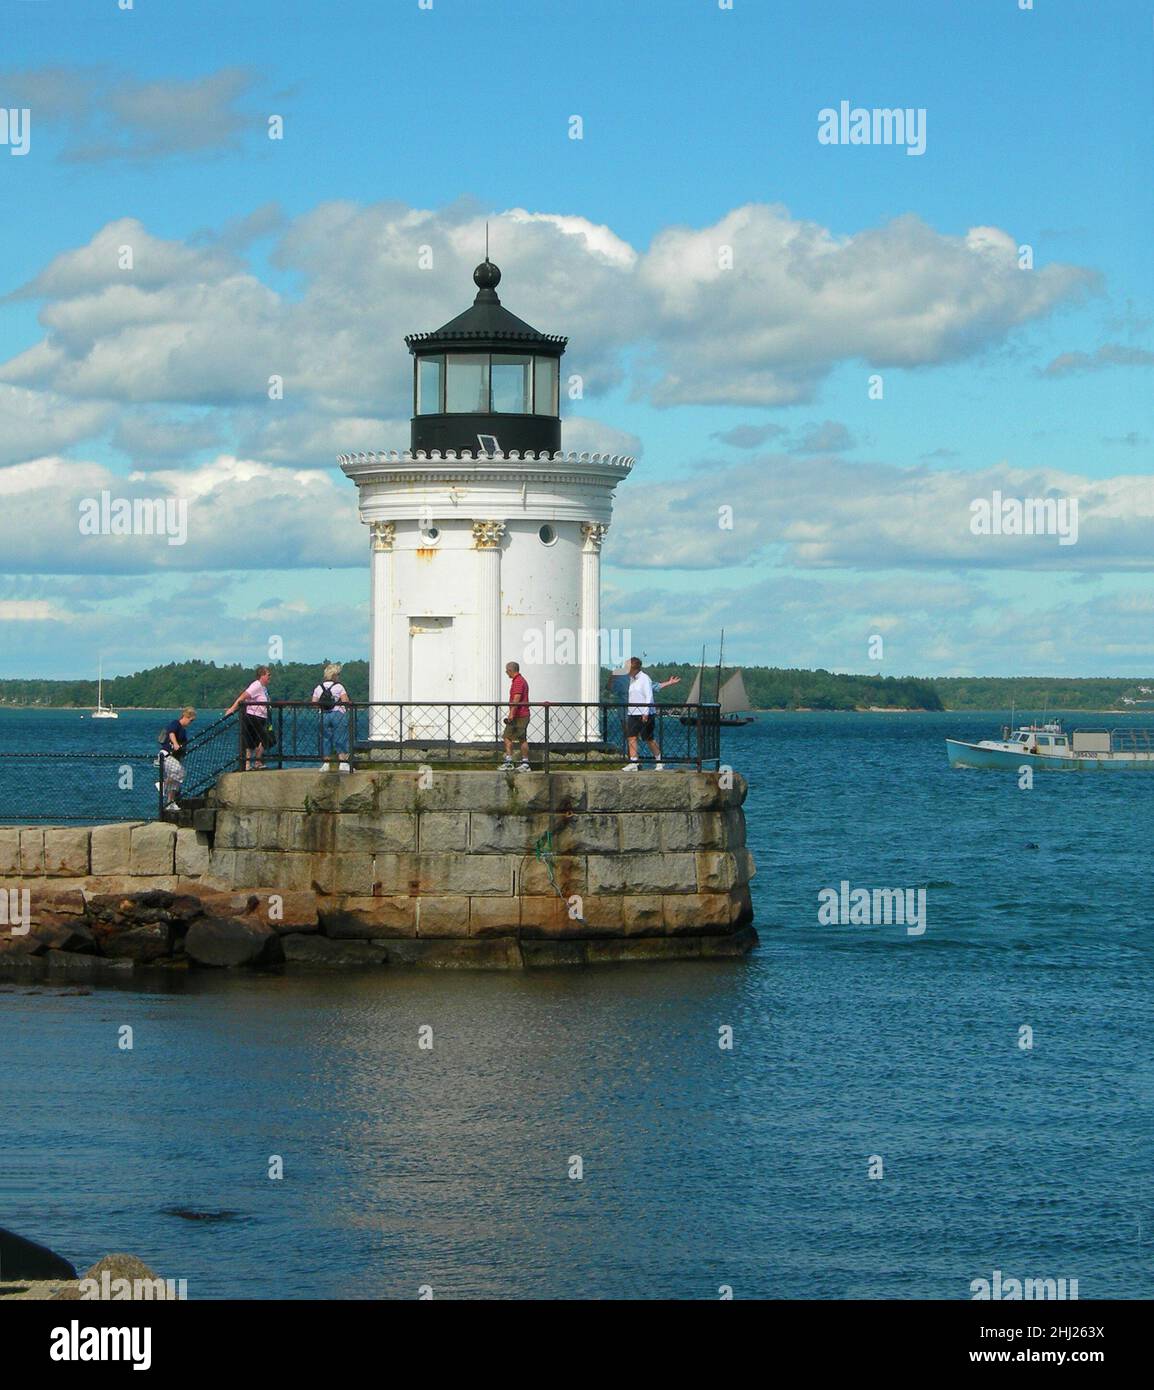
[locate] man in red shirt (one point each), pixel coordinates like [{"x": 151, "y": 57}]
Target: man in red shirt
[{"x": 517, "y": 720}]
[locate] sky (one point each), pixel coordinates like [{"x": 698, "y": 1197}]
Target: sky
[{"x": 824, "y": 354}]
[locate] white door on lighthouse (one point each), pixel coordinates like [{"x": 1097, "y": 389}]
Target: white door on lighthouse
[{"x": 430, "y": 676}]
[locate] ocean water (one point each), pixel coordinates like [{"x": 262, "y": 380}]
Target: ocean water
[{"x": 701, "y": 1167}]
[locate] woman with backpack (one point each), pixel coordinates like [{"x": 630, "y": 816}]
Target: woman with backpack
[{"x": 331, "y": 698}]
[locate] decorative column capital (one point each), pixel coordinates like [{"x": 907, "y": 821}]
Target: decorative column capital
[
  {"x": 382, "y": 534},
  {"x": 487, "y": 535},
  {"x": 594, "y": 533}
]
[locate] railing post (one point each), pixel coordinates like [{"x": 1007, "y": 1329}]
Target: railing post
[
  {"x": 546, "y": 738},
  {"x": 160, "y": 787},
  {"x": 240, "y": 739}
]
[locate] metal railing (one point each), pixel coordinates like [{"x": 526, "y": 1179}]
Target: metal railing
[
  {"x": 60, "y": 787},
  {"x": 454, "y": 731}
]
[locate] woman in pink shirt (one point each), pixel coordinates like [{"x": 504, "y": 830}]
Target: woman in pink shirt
[{"x": 254, "y": 720}]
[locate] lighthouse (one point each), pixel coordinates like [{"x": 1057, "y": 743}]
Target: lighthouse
[{"x": 484, "y": 535}]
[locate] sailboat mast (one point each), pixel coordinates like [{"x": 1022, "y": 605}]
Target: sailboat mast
[{"x": 720, "y": 650}]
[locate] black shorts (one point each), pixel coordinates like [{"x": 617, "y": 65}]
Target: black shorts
[
  {"x": 639, "y": 726},
  {"x": 254, "y": 730}
]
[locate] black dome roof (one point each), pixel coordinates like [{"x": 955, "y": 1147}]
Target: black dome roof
[{"x": 486, "y": 324}]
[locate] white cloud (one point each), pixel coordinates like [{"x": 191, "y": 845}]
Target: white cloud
[{"x": 193, "y": 324}]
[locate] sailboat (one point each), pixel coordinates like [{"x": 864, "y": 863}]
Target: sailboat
[
  {"x": 102, "y": 711},
  {"x": 731, "y": 694}
]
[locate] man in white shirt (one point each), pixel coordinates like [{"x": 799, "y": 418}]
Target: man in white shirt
[{"x": 639, "y": 721}]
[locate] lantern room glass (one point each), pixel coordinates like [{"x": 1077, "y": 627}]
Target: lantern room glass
[
  {"x": 545, "y": 392},
  {"x": 430, "y": 384},
  {"x": 467, "y": 384},
  {"x": 512, "y": 383}
]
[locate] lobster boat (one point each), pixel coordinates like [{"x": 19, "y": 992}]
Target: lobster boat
[{"x": 1049, "y": 747}]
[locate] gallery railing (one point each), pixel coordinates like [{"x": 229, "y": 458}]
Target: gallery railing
[{"x": 83, "y": 787}]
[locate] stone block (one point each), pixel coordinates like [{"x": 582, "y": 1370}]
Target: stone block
[
  {"x": 357, "y": 793},
  {"x": 589, "y": 833},
  {"x": 603, "y": 915},
  {"x": 421, "y": 875},
  {"x": 700, "y": 914},
  {"x": 637, "y": 791},
  {"x": 344, "y": 873},
  {"x": 694, "y": 830},
  {"x": 221, "y": 867},
  {"x": 256, "y": 868},
  {"x": 491, "y": 953},
  {"x": 316, "y": 950},
  {"x": 494, "y": 916},
  {"x": 284, "y": 911},
  {"x": 746, "y": 868},
  {"x": 641, "y": 833},
  {"x": 9, "y": 852},
  {"x": 547, "y": 915},
  {"x": 366, "y": 919},
  {"x": 32, "y": 852},
  {"x": 144, "y": 944},
  {"x": 444, "y": 916},
  {"x": 643, "y": 873},
  {"x": 545, "y": 954},
  {"x": 384, "y": 833},
  {"x": 642, "y": 915},
  {"x": 568, "y": 870},
  {"x": 152, "y": 849},
  {"x": 740, "y": 906},
  {"x": 502, "y": 834},
  {"x": 716, "y": 871},
  {"x": 276, "y": 790},
  {"x": 66, "y": 852},
  {"x": 191, "y": 852},
  {"x": 443, "y": 830},
  {"x": 110, "y": 848},
  {"x": 707, "y": 794},
  {"x": 736, "y": 943},
  {"x": 734, "y": 828}
]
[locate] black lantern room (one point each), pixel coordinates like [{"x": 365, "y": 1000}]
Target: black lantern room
[{"x": 485, "y": 376}]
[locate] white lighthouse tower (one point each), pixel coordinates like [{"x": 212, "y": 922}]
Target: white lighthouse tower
[{"x": 485, "y": 537}]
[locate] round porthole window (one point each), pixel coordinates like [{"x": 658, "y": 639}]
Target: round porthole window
[
  {"x": 430, "y": 535},
  {"x": 548, "y": 535}
]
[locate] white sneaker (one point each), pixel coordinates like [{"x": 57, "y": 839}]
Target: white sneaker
[
  {"x": 507, "y": 765},
  {"x": 523, "y": 766},
  {"x": 172, "y": 806},
  {"x": 630, "y": 767},
  {"x": 345, "y": 767},
  {"x": 658, "y": 767}
]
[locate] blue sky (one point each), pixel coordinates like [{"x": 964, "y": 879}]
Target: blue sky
[{"x": 407, "y": 126}]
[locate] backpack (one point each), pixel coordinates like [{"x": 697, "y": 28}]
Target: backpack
[{"x": 327, "y": 700}]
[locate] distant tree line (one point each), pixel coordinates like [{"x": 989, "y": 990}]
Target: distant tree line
[{"x": 208, "y": 686}]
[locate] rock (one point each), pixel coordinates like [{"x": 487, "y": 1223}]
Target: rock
[
  {"x": 21, "y": 1258},
  {"x": 319, "y": 950},
  {"x": 225, "y": 941},
  {"x": 69, "y": 934},
  {"x": 120, "y": 1277},
  {"x": 144, "y": 944}
]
